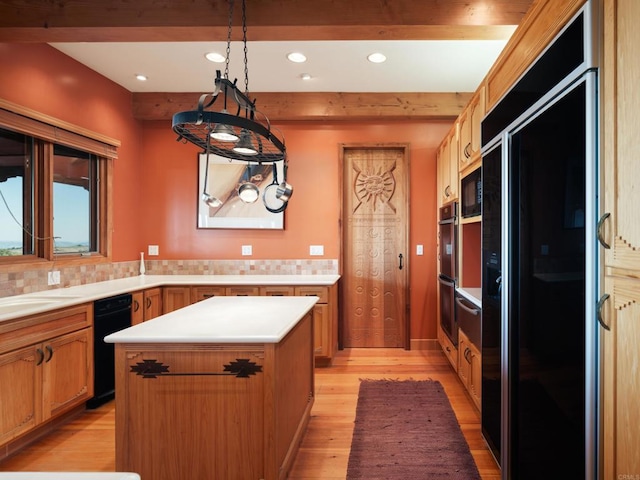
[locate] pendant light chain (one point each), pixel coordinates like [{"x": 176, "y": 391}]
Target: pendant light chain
[
  {"x": 226, "y": 66},
  {"x": 244, "y": 41}
]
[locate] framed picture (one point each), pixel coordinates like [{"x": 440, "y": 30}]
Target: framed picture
[{"x": 224, "y": 176}]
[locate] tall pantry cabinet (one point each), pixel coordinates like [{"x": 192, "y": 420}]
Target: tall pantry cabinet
[{"x": 620, "y": 232}]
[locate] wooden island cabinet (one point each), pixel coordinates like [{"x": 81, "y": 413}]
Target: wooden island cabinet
[{"x": 207, "y": 392}]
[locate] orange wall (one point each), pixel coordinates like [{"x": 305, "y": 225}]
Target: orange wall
[{"x": 155, "y": 177}]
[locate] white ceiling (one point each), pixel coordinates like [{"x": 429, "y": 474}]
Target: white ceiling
[{"x": 335, "y": 66}]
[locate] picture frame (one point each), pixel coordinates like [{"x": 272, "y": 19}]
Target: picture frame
[{"x": 224, "y": 176}]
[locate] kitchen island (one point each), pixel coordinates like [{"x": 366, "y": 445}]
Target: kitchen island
[{"x": 220, "y": 389}]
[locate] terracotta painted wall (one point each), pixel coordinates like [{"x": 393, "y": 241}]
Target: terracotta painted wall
[
  {"x": 155, "y": 177},
  {"x": 43, "y": 79},
  {"x": 170, "y": 194}
]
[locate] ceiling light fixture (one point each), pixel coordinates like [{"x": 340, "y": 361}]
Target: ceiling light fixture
[
  {"x": 377, "y": 57},
  {"x": 305, "y": 76},
  {"x": 141, "y": 77},
  {"x": 297, "y": 57},
  {"x": 215, "y": 57}
]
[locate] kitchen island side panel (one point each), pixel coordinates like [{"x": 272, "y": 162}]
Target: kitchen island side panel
[{"x": 196, "y": 420}]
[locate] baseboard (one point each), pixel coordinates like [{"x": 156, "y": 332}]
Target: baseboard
[{"x": 424, "y": 344}]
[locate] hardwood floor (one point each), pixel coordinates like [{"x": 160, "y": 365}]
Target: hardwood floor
[{"x": 87, "y": 443}]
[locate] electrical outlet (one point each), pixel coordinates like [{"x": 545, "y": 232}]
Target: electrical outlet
[
  {"x": 154, "y": 250},
  {"x": 53, "y": 277},
  {"x": 419, "y": 250},
  {"x": 316, "y": 250},
  {"x": 247, "y": 250}
]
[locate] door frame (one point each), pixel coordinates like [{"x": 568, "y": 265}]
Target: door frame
[{"x": 407, "y": 247}]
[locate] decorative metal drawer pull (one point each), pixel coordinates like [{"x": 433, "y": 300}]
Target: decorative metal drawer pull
[{"x": 241, "y": 368}]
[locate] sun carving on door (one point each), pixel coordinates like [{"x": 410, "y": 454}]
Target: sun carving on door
[{"x": 373, "y": 185}]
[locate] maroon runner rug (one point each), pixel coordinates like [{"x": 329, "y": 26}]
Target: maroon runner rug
[{"x": 407, "y": 430}]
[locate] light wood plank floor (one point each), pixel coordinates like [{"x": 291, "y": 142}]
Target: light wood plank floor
[{"x": 87, "y": 443}]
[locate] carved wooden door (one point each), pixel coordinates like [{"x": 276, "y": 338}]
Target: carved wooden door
[{"x": 375, "y": 235}]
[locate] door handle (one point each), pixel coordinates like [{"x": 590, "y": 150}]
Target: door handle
[
  {"x": 400, "y": 258},
  {"x": 603, "y": 299},
  {"x": 148, "y": 303},
  {"x": 136, "y": 305},
  {"x": 50, "y": 350},
  {"x": 40, "y": 356},
  {"x": 599, "y": 230}
]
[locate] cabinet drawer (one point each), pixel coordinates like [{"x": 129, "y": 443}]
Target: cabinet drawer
[
  {"x": 242, "y": 291},
  {"x": 202, "y": 293},
  {"x": 37, "y": 328},
  {"x": 276, "y": 291},
  {"x": 321, "y": 292}
]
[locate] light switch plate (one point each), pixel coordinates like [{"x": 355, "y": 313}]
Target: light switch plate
[
  {"x": 53, "y": 277},
  {"x": 419, "y": 250},
  {"x": 154, "y": 250},
  {"x": 247, "y": 250},
  {"x": 316, "y": 250}
]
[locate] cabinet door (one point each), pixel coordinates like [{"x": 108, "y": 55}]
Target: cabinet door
[
  {"x": 475, "y": 375},
  {"x": 476, "y": 114},
  {"x": 464, "y": 358},
  {"x": 453, "y": 164},
  {"x": 152, "y": 303},
  {"x": 67, "y": 371},
  {"x": 203, "y": 292},
  {"x": 20, "y": 391},
  {"x": 321, "y": 330},
  {"x": 137, "y": 309},
  {"x": 174, "y": 298},
  {"x": 620, "y": 379}
]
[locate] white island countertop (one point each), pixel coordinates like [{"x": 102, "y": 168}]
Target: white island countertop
[{"x": 222, "y": 320}]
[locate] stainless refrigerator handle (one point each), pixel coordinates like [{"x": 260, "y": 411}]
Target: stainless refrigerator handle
[
  {"x": 599, "y": 230},
  {"x": 472, "y": 311},
  {"x": 603, "y": 299}
]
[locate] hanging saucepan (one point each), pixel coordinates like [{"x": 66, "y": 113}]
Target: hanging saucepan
[
  {"x": 270, "y": 196},
  {"x": 248, "y": 191},
  {"x": 285, "y": 190}
]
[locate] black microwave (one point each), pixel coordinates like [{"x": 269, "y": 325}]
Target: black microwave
[{"x": 471, "y": 194}]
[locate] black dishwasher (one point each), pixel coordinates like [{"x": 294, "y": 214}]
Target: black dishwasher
[{"x": 109, "y": 315}]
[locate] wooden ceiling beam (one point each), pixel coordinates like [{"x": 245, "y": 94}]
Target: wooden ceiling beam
[
  {"x": 313, "y": 106},
  {"x": 171, "y": 20}
]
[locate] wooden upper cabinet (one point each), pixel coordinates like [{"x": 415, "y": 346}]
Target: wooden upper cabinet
[
  {"x": 469, "y": 125},
  {"x": 447, "y": 173}
]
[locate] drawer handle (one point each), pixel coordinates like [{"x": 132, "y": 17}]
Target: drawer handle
[
  {"x": 50, "y": 351},
  {"x": 40, "y": 356},
  {"x": 472, "y": 311},
  {"x": 207, "y": 295}
]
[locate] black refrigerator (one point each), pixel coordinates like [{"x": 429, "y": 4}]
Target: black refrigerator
[{"x": 539, "y": 345}]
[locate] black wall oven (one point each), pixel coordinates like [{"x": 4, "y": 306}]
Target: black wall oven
[{"x": 447, "y": 276}]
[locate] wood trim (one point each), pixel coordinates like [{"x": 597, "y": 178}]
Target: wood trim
[
  {"x": 25, "y": 120},
  {"x": 304, "y": 106},
  {"x": 544, "y": 20}
]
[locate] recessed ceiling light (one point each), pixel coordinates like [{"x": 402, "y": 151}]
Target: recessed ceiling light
[
  {"x": 141, "y": 77},
  {"x": 215, "y": 57},
  {"x": 376, "y": 58},
  {"x": 297, "y": 57},
  {"x": 305, "y": 76}
]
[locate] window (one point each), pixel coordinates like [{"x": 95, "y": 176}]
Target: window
[
  {"x": 16, "y": 193},
  {"x": 75, "y": 201},
  {"x": 52, "y": 203}
]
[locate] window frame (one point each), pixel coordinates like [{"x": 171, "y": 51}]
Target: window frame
[{"x": 46, "y": 132}]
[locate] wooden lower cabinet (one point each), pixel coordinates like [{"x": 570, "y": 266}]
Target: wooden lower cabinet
[
  {"x": 137, "y": 307},
  {"x": 214, "y": 425},
  {"x": 46, "y": 368},
  {"x": 152, "y": 303},
  {"x": 450, "y": 351},
  {"x": 470, "y": 367},
  {"x": 325, "y": 311}
]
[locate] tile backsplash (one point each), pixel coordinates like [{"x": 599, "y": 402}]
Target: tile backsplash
[{"x": 35, "y": 280}]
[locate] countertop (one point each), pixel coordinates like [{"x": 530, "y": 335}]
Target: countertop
[
  {"x": 222, "y": 320},
  {"x": 38, "y": 302},
  {"x": 474, "y": 295}
]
